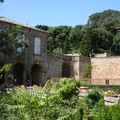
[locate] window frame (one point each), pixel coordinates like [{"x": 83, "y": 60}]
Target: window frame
[
  {"x": 37, "y": 46},
  {"x": 107, "y": 82},
  {"x": 20, "y": 39}
]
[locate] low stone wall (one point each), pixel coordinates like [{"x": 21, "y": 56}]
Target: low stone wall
[
  {"x": 105, "y": 81},
  {"x": 105, "y": 70}
]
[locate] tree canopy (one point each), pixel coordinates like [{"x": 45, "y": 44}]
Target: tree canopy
[
  {"x": 98, "y": 35},
  {"x": 1, "y": 0},
  {"x": 9, "y": 40}
]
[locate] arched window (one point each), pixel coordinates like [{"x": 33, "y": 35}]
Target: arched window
[{"x": 37, "y": 46}]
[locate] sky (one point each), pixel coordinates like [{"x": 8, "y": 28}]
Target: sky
[{"x": 55, "y": 12}]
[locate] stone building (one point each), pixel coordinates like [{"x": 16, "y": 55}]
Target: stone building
[
  {"x": 36, "y": 65},
  {"x": 31, "y": 68}
]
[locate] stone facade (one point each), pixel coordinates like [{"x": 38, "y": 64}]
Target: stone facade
[
  {"x": 66, "y": 65},
  {"x": 31, "y": 68},
  {"x": 105, "y": 70},
  {"x": 34, "y": 68}
]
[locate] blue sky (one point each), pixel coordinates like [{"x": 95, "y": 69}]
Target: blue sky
[{"x": 55, "y": 12}]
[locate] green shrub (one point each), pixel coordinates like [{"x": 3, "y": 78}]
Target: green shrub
[
  {"x": 104, "y": 87},
  {"x": 21, "y": 104},
  {"x": 93, "y": 97},
  {"x": 67, "y": 87},
  {"x": 87, "y": 71},
  {"x": 64, "y": 100},
  {"x": 60, "y": 102},
  {"x": 101, "y": 112}
]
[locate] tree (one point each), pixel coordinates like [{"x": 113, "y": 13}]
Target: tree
[
  {"x": 1, "y": 0},
  {"x": 66, "y": 48},
  {"x": 97, "y": 36},
  {"x": 58, "y": 36},
  {"x": 103, "y": 31},
  {"x": 75, "y": 37},
  {"x": 9, "y": 41},
  {"x": 87, "y": 71},
  {"x": 86, "y": 43},
  {"x": 9, "y": 38},
  {"x": 108, "y": 19},
  {"x": 42, "y": 27},
  {"x": 116, "y": 43},
  {"x": 101, "y": 40}
]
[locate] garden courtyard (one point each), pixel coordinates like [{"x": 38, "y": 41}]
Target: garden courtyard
[{"x": 64, "y": 100}]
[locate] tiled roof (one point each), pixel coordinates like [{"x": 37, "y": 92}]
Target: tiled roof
[{"x": 7, "y": 20}]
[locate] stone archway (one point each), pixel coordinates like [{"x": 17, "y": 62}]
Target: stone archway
[
  {"x": 65, "y": 70},
  {"x": 18, "y": 70},
  {"x": 36, "y": 74}
]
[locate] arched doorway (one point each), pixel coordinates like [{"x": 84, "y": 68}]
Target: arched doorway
[
  {"x": 36, "y": 74},
  {"x": 18, "y": 70},
  {"x": 65, "y": 70}
]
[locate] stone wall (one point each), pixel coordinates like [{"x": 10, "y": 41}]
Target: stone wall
[
  {"x": 105, "y": 70},
  {"x": 29, "y": 59},
  {"x": 54, "y": 69},
  {"x": 74, "y": 63}
]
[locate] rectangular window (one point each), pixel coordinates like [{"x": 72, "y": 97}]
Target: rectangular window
[
  {"x": 107, "y": 82},
  {"x": 20, "y": 39},
  {"x": 37, "y": 46},
  {"x": 1, "y": 28}
]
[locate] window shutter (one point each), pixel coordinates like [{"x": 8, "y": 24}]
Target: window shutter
[{"x": 37, "y": 46}]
